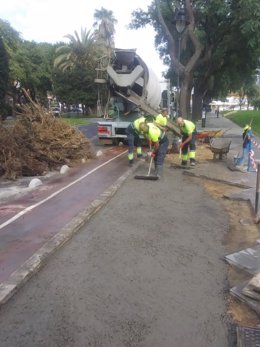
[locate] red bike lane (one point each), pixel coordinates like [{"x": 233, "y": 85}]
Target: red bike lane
[{"x": 27, "y": 223}]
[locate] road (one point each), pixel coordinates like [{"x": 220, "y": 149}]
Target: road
[{"x": 146, "y": 271}]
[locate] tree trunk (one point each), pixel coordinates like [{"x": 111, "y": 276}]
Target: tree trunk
[
  {"x": 197, "y": 103},
  {"x": 184, "y": 71},
  {"x": 188, "y": 102},
  {"x": 185, "y": 93}
]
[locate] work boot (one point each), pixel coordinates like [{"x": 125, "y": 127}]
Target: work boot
[
  {"x": 140, "y": 156},
  {"x": 159, "y": 171},
  {"x": 192, "y": 162},
  {"x": 184, "y": 163},
  {"x": 131, "y": 162}
]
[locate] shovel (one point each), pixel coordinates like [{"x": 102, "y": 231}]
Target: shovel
[{"x": 148, "y": 176}]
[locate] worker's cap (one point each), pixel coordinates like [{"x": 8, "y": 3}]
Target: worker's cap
[{"x": 144, "y": 127}]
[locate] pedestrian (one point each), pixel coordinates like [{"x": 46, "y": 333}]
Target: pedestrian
[
  {"x": 133, "y": 138},
  {"x": 188, "y": 140},
  {"x": 247, "y": 136},
  {"x": 217, "y": 111},
  {"x": 159, "y": 142}
]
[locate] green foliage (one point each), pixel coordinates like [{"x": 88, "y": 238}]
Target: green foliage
[
  {"x": 5, "y": 110},
  {"x": 31, "y": 67},
  {"x": 229, "y": 32},
  {"x": 10, "y": 36},
  {"x": 253, "y": 95},
  {"x": 35, "y": 68},
  {"x": 105, "y": 24},
  {"x": 74, "y": 121},
  {"x": 4, "y": 71},
  {"x": 75, "y": 86},
  {"x": 256, "y": 103},
  {"x": 74, "y": 72},
  {"x": 80, "y": 51},
  {"x": 30, "y": 64},
  {"x": 242, "y": 118}
]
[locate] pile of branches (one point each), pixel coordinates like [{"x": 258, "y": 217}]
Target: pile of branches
[{"x": 37, "y": 142}]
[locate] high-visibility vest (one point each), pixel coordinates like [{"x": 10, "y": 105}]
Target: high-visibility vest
[
  {"x": 137, "y": 123},
  {"x": 154, "y": 133},
  {"x": 188, "y": 127},
  {"x": 161, "y": 120}
]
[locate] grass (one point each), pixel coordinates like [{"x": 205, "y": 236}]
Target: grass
[
  {"x": 242, "y": 118},
  {"x": 74, "y": 121}
]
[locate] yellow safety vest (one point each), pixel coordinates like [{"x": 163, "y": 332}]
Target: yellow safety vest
[
  {"x": 188, "y": 127},
  {"x": 137, "y": 123},
  {"x": 161, "y": 120},
  {"x": 154, "y": 133}
]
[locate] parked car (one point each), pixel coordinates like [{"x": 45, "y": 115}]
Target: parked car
[
  {"x": 55, "y": 111},
  {"x": 76, "y": 110}
]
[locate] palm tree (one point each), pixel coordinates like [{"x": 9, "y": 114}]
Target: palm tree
[
  {"x": 81, "y": 51},
  {"x": 105, "y": 24}
]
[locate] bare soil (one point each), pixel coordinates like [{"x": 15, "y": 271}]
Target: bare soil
[{"x": 243, "y": 233}]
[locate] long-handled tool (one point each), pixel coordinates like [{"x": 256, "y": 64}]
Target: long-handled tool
[{"x": 148, "y": 176}]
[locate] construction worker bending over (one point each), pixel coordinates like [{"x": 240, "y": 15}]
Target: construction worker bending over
[
  {"x": 159, "y": 141},
  {"x": 133, "y": 138},
  {"x": 188, "y": 142}
]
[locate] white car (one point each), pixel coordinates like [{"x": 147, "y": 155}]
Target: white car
[{"x": 56, "y": 111}]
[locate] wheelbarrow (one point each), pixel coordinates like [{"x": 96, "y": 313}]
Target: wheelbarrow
[
  {"x": 206, "y": 136},
  {"x": 219, "y": 147}
]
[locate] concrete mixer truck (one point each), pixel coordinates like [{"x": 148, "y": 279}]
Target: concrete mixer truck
[{"x": 131, "y": 89}]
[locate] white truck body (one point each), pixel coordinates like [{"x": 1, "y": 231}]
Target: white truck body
[{"x": 133, "y": 91}]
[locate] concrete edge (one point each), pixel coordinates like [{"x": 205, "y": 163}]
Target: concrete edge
[
  {"x": 234, "y": 184},
  {"x": 245, "y": 195},
  {"x": 20, "y": 276}
]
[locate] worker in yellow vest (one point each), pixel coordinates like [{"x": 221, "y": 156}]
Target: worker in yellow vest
[
  {"x": 159, "y": 142},
  {"x": 161, "y": 119},
  {"x": 133, "y": 138},
  {"x": 188, "y": 143}
]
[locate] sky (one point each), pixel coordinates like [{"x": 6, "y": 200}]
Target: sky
[{"x": 50, "y": 20}]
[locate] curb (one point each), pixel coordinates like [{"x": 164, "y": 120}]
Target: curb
[
  {"x": 19, "y": 277},
  {"x": 232, "y": 184}
]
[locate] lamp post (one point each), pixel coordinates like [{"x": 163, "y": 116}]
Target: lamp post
[{"x": 180, "y": 24}]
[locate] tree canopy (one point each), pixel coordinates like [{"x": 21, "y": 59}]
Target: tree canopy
[
  {"x": 4, "y": 71},
  {"x": 219, "y": 47},
  {"x": 105, "y": 27}
]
